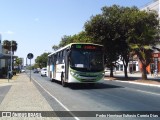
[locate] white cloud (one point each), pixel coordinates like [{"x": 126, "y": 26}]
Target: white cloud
[{"x": 9, "y": 32}]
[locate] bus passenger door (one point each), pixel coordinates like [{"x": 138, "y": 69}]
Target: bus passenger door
[
  {"x": 54, "y": 66},
  {"x": 67, "y": 56}
]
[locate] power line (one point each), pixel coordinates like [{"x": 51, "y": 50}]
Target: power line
[{"x": 149, "y": 3}]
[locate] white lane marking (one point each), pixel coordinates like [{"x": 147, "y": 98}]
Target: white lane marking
[
  {"x": 140, "y": 84},
  {"x": 146, "y": 92},
  {"x": 57, "y": 100}
]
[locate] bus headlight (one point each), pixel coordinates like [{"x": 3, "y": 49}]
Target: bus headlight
[{"x": 74, "y": 74}]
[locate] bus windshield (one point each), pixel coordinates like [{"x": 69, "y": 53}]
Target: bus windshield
[{"x": 87, "y": 60}]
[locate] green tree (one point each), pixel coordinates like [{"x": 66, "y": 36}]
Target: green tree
[
  {"x": 18, "y": 61},
  {"x": 36, "y": 65},
  {"x": 55, "y": 47},
  {"x": 42, "y": 60},
  {"x": 102, "y": 29},
  {"x": 119, "y": 20},
  {"x": 14, "y": 46},
  {"x": 6, "y": 44},
  {"x": 123, "y": 30},
  {"x": 65, "y": 40},
  {"x": 142, "y": 36},
  {"x": 81, "y": 37}
]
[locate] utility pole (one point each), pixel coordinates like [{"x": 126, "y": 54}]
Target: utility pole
[
  {"x": 11, "y": 57},
  {"x": 26, "y": 62},
  {"x": 10, "y": 72},
  {"x": 30, "y": 56}
]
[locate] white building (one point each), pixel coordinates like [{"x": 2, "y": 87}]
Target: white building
[
  {"x": 152, "y": 6},
  {"x": 2, "y": 61},
  {"x": 132, "y": 66}
]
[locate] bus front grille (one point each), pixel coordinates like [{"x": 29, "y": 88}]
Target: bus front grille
[{"x": 88, "y": 80}]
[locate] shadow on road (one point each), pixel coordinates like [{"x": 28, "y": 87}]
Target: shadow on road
[
  {"x": 85, "y": 86},
  {"x": 76, "y": 86}
]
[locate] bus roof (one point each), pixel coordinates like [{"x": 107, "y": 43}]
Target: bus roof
[{"x": 69, "y": 45}]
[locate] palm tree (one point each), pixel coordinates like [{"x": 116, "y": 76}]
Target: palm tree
[
  {"x": 7, "y": 45},
  {"x": 14, "y": 46}
]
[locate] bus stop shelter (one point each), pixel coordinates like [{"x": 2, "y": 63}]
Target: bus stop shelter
[{"x": 5, "y": 62}]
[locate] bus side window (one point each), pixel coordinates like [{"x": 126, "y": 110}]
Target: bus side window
[
  {"x": 63, "y": 56},
  {"x": 57, "y": 58},
  {"x": 52, "y": 60},
  {"x": 63, "y": 60}
]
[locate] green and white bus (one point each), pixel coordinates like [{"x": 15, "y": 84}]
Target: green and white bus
[{"x": 77, "y": 63}]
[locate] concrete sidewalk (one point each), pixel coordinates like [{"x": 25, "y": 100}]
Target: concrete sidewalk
[{"x": 24, "y": 96}]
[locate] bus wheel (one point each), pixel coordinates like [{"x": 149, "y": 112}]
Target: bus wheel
[
  {"x": 52, "y": 80},
  {"x": 64, "y": 84}
]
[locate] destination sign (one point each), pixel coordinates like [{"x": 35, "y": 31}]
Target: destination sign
[{"x": 86, "y": 47}]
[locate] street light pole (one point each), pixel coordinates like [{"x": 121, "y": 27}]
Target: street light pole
[{"x": 11, "y": 57}]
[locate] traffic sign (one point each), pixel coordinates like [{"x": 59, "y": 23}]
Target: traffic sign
[{"x": 30, "y": 56}]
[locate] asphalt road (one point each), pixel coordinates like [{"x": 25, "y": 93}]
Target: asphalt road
[
  {"x": 3, "y": 91},
  {"x": 105, "y": 96}
]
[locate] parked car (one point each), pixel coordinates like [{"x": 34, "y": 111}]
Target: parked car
[
  {"x": 22, "y": 70},
  {"x": 36, "y": 71},
  {"x": 39, "y": 69},
  {"x": 44, "y": 72}
]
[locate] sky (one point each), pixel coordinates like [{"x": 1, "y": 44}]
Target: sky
[{"x": 37, "y": 25}]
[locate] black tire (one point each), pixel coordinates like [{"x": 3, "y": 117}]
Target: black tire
[
  {"x": 92, "y": 84},
  {"x": 64, "y": 84},
  {"x": 52, "y": 80}
]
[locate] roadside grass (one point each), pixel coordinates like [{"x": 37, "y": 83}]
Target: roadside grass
[
  {"x": 5, "y": 80},
  {"x": 15, "y": 77}
]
